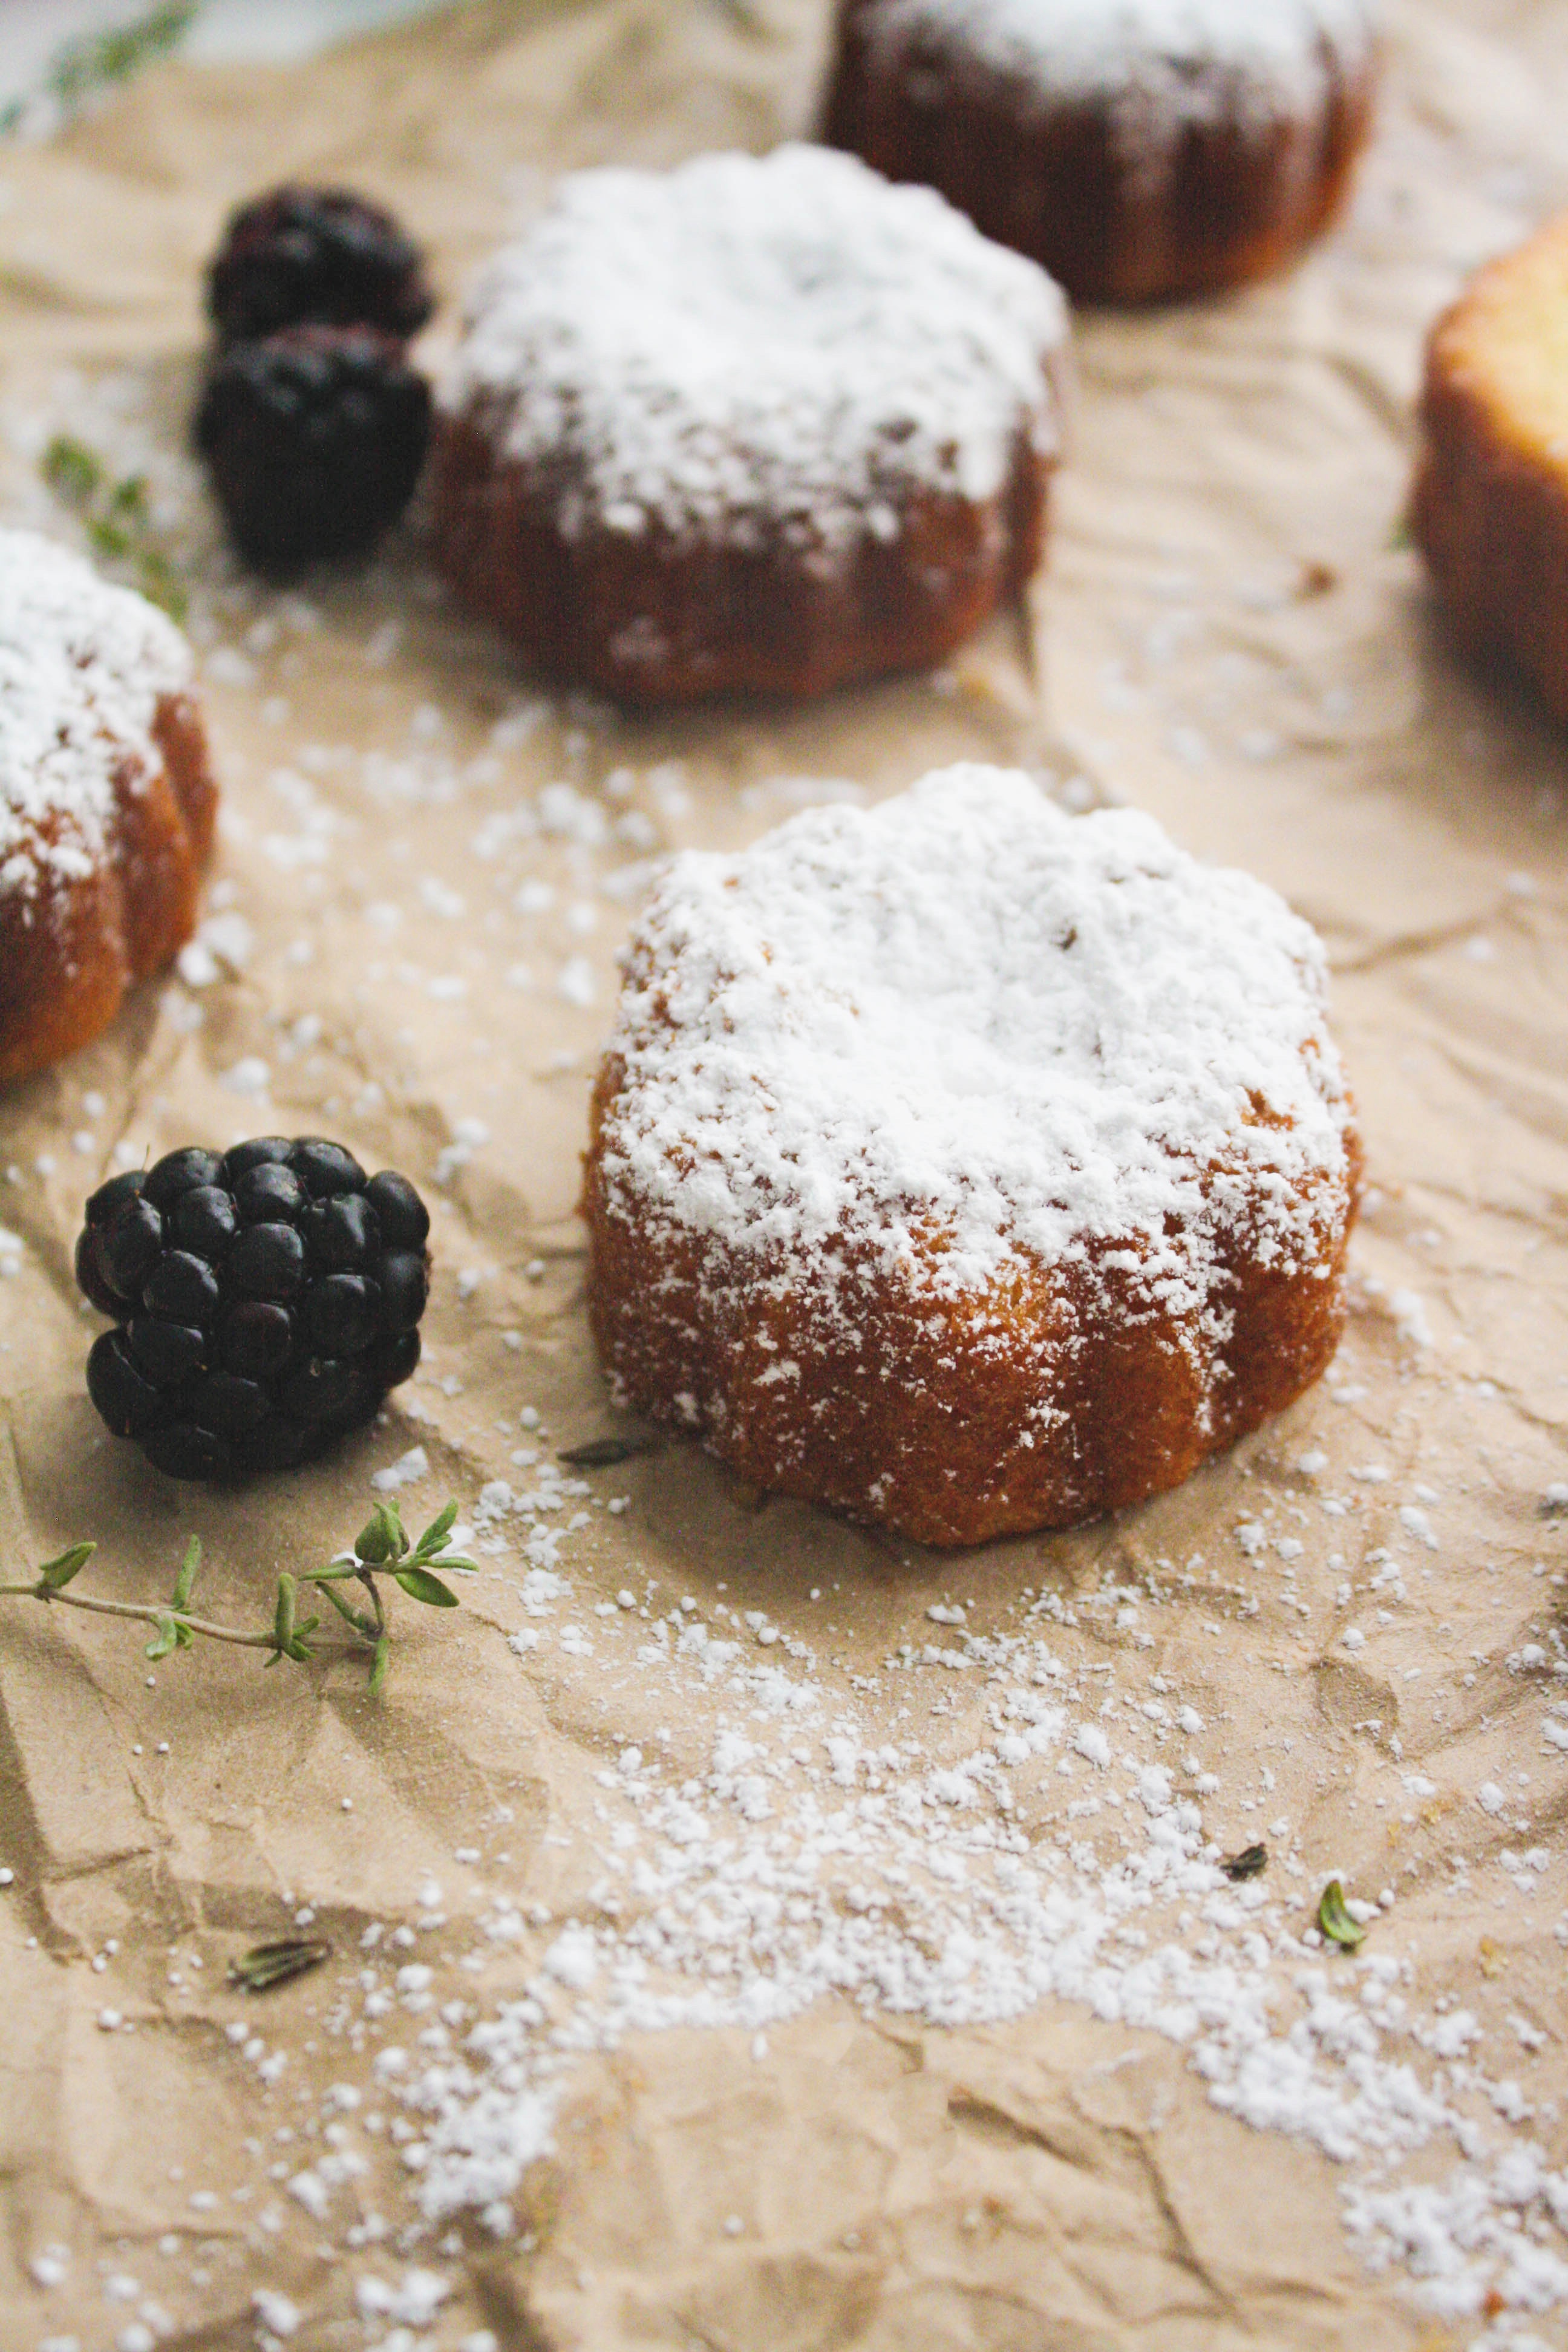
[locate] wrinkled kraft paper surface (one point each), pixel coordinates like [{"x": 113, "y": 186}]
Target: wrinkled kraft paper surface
[{"x": 1230, "y": 635}]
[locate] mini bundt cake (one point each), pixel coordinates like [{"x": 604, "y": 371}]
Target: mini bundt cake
[
  {"x": 966, "y": 1165},
  {"x": 755, "y": 424},
  {"x": 106, "y": 799},
  {"x": 1141, "y": 149},
  {"x": 1491, "y": 506}
]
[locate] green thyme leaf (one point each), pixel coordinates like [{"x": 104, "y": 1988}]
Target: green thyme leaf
[
  {"x": 129, "y": 498},
  {"x": 266, "y": 1965},
  {"x": 283, "y": 1621},
  {"x": 437, "y": 1534},
  {"x": 420, "y": 1585},
  {"x": 300, "y": 1645},
  {"x": 356, "y": 1618},
  {"x": 71, "y": 470},
  {"x": 56, "y": 1574},
  {"x": 1335, "y": 1921},
  {"x": 165, "y": 1641},
  {"x": 378, "y": 1665},
  {"x": 160, "y": 583},
  {"x": 377, "y": 1540},
  {"x": 1250, "y": 1862},
  {"x": 188, "y": 1575}
]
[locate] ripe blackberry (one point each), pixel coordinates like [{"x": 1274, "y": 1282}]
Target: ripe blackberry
[
  {"x": 264, "y": 1302},
  {"x": 314, "y": 438},
  {"x": 320, "y": 256}
]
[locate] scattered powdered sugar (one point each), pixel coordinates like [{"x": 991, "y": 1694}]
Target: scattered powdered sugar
[
  {"x": 747, "y": 340},
  {"x": 805, "y": 1837},
  {"x": 738, "y": 1898},
  {"x": 966, "y": 1014},
  {"x": 1161, "y": 65},
  {"x": 82, "y": 666},
  {"x": 1469, "y": 2240}
]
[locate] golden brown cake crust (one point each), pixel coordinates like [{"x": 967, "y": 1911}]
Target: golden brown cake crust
[
  {"x": 1234, "y": 198},
  {"x": 926, "y": 1410},
  {"x": 71, "y": 954},
  {"x": 1490, "y": 506},
  {"x": 660, "y": 618},
  {"x": 760, "y": 425},
  {"x": 1040, "y": 1390},
  {"x": 107, "y": 800}
]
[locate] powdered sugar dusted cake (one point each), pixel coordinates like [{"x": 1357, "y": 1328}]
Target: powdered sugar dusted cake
[
  {"x": 1138, "y": 148},
  {"x": 106, "y": 802},
  {"x": 754, "y": 422},
  {"x": 966, "y": 1165}
]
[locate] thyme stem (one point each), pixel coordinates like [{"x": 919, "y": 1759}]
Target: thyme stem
[
  {"x": 149, "y": 1615},
  {"x": 382, "y": 1547}
]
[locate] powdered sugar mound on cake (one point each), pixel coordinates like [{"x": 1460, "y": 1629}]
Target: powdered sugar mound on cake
[
  {"x": 82, "y": 668},
  {"x": 787, "y": 335},
  {"x": 966, "y": 1015}
]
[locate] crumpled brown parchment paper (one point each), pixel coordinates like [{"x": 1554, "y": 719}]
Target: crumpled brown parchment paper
[{"x": 1231, "y": 636}]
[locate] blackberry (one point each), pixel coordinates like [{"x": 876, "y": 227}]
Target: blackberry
[
  {"x": 314, "y": 438},
  {"x": 264, "y": 1302},
  {"x": 318, "y": 257}
]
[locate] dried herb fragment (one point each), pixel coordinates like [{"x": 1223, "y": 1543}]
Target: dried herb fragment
[
  {"x": 1335, "y": 1921},
  {"x": 267, "y": 1965},
  {"x": 599, "y": 1453},
  {"x": 1250, "y": 1862}
]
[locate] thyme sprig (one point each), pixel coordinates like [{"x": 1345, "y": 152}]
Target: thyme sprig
[
  {"x": 116, "y": 517},
  {"x": 382, "y": 1547},
  {"x": 95, "y": 63}
]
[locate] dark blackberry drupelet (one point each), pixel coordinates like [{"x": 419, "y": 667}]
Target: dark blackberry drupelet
[
  {"x": 322, "y": 257},
  {"x": 314, "y": 438},
  {"x": 264, "y": 1303}
]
